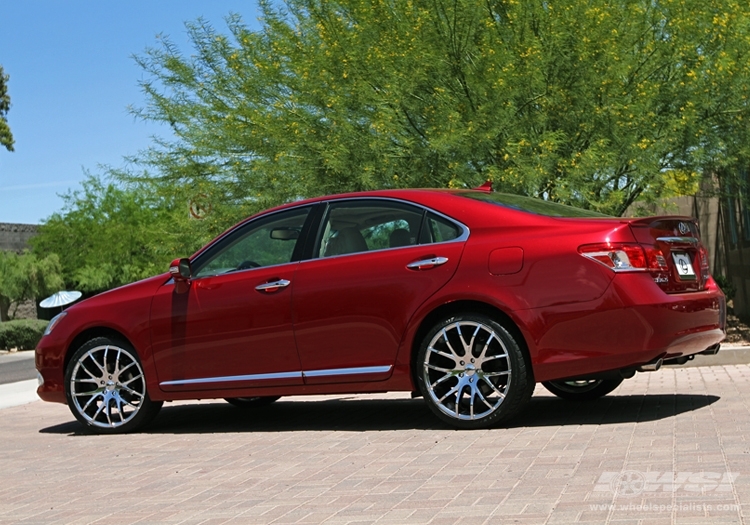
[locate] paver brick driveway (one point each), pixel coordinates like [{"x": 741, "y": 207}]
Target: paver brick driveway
[{"x": 385, "y": 459}]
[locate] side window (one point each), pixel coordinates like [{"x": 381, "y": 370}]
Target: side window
[
  {"x": 265, "y": 241},
  {"x": 366, "y": 225},
  {"x": 438, "y": 229}
]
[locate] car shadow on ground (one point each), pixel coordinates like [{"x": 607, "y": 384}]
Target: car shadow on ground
[{"x": 358, "y": 415}]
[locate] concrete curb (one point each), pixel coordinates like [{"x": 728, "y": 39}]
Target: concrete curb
[
  {"x": 728, "y": 355},
  {"x": 6, "y": 356},
  {"x": 20, "y": 393}
]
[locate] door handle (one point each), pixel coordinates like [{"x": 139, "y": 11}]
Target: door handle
[
  {"x": 273, "y": 286},
  {"x": 426, "y": 264}
]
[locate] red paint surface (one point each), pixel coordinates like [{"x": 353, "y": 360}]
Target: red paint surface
[{"x": 575, "y": 315}]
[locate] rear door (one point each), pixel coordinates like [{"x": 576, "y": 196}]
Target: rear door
[{"x": 374, "y": 262}]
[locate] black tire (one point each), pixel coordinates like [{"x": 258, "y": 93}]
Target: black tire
[
  {"x": 582, "y": 389},
  {"x": 251, "y": 402},
  {"x": 106, "y": 388},
  {"x": 472, "y": 373}
]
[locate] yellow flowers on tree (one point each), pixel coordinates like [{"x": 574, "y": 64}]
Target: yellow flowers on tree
[
  {"x": 587, "y": 103},
  {"x": 596, "y": 104}
]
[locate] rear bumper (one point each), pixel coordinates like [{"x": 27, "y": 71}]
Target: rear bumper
[{"x": 633, "y": 323}]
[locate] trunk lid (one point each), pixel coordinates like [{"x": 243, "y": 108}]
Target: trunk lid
[{"x": 678, "y": 240}]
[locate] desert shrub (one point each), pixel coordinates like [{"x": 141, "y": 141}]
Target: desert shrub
[{"x": 23, "y": 334}]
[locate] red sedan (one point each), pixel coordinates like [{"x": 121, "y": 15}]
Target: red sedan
[{"x": 467, "y": 298}]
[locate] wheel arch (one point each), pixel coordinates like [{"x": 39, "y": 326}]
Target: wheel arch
[
  {"x": 91, "y": 333},
  {"x": 468, "y": 306}
]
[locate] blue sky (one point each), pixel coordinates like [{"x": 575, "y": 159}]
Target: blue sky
[{"x": 72, "y": 77}]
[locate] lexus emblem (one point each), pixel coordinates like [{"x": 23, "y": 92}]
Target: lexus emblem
[{"x": 684, "y": 228}]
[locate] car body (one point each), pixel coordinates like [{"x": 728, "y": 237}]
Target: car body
[{"x": 467, "y": 297}]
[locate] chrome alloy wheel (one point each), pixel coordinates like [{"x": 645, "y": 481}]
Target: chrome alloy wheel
[
  {"x": 467, "y": 370},
  {"x": 107, "y": 386},
  {"x": 582, "y": 389},
  {"x": 578, "y": 386}
]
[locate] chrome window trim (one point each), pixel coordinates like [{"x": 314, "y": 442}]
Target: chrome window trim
[
  {"x": 246, "y": 223},
  {"x": 461, "y": 238},
  {"x": 281, "y": 375}
]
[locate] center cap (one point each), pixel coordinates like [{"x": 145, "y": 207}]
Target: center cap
[
  {"x": 470, "y": 369},
  {"x": 111, "y": 385}
]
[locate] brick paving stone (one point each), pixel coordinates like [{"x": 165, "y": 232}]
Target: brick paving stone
[{"x": 385, "y": 459}]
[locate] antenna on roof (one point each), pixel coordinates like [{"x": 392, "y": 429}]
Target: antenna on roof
[{"x": 486, "y": 187}]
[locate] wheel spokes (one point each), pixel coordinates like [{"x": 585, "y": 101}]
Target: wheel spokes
[
  {"x": 115, "y": 402},
  {"x": 478, "y": 391},
  {"x": 452, "y": 357},
  {"x": 448, "y": 344}
]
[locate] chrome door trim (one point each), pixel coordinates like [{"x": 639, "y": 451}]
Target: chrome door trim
[
  {"x": 282, "y": 375},
  {"x": 348, "y": 371},
  {"x": 230, "y": 379}
]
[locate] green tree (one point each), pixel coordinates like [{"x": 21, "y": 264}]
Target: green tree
[
  {"x": 6, "y": 137},
  {"x": 26, "y": 277},
  {"x": 107, "y": 235},
  {"x": 594, "y": 103}
]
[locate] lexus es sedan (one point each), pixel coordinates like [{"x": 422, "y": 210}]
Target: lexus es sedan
[{"x": 464, "y": 297}]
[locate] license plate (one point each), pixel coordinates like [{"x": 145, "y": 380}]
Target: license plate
[{"x": 684, "y": 266}]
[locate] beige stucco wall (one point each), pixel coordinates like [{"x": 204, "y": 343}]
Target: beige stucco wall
[{"x": 15, "y": 237}]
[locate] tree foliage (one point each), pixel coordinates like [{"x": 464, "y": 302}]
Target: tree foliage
[
  {"x": 594, "y": 103},
  {"x": 6, "y": 137},
  {"x": 26, "y": 277},
  {"x": 107, "y": 235}
]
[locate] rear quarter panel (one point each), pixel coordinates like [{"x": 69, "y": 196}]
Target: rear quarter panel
[{"x": 552, "y": 275}]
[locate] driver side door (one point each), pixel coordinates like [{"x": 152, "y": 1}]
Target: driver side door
[{"x": 232, "y": 327}]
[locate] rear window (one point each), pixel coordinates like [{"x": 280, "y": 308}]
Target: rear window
[{"x": 528, "y": 204}]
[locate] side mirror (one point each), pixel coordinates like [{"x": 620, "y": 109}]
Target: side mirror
[{"x": 180, "y": 270}]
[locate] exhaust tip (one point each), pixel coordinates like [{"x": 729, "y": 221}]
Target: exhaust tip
[
  {"x": 653, "y": 366},
  {"x": 711, "y": 350}
]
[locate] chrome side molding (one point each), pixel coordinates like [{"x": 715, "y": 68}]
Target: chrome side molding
[{"x": 281, "y": 375}]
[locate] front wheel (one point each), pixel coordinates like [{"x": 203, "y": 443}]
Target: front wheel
[
  {"x": 582, "y": 389},
  {"x": 472, "y": 372},
  {"x": 106, "y": 389}
]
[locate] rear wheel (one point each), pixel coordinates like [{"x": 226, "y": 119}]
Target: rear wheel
[
  {"x": 251, "y": 402},
  {"x": 582, "y": 389},
  {"x": 106, "y": 388},
  {"x": 472, "y": 372}
]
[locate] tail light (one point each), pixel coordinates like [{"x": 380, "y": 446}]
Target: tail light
[
  {"x": 703, "y": 258},
  {"x": 626, "y": 257}
]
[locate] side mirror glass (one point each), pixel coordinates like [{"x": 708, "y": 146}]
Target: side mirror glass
[
  {"x": 285, "y": 234},
  {"x": 180, "y": 269}
]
